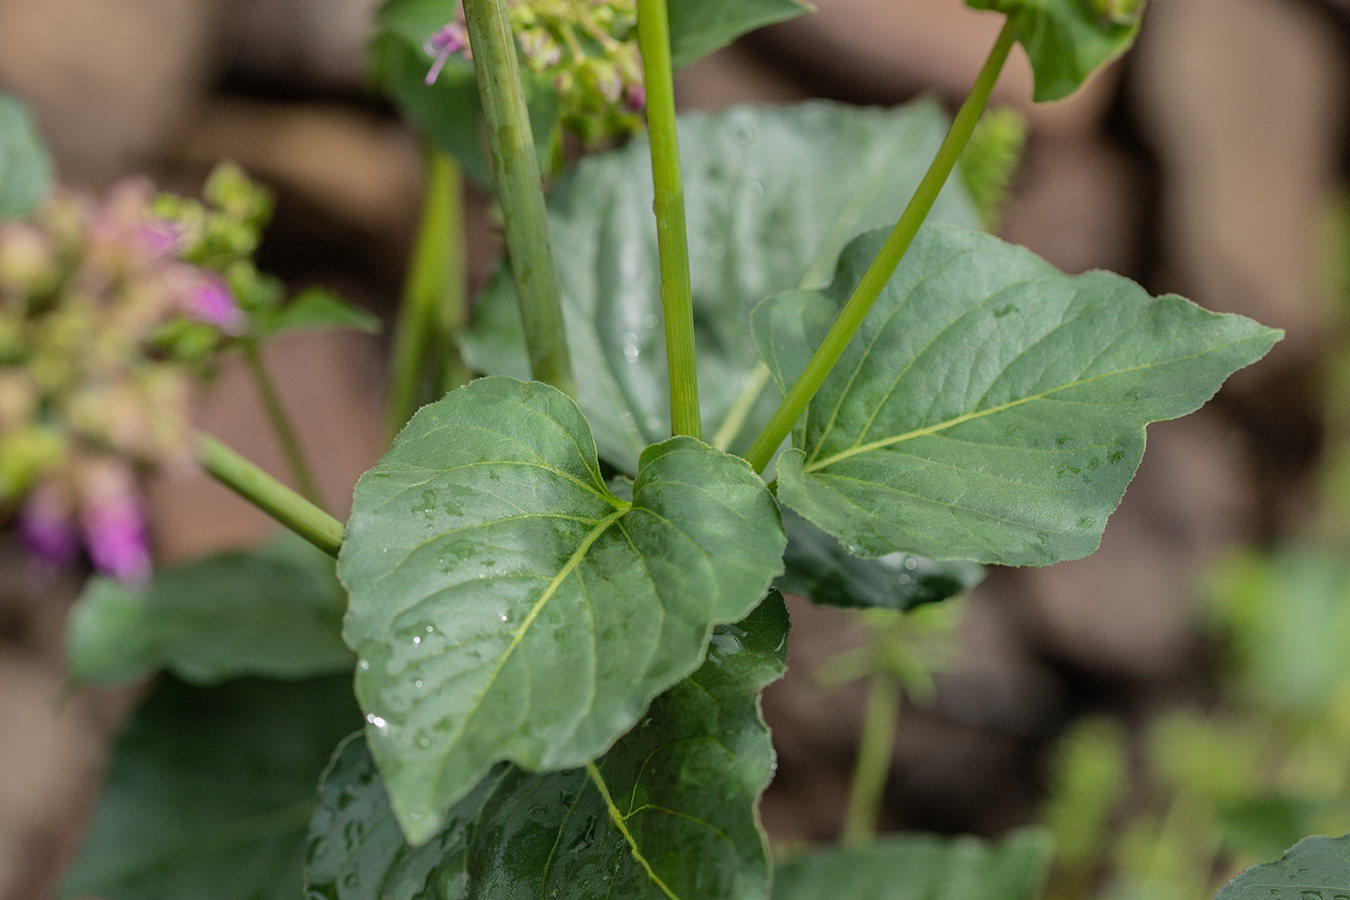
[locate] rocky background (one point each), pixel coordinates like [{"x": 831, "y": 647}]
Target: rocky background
[{"x": 1205, "y": 163}]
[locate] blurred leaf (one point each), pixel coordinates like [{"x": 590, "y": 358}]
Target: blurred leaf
[
  {"x": 209, "y": 792},
  {"x": 1261, "y": 825},
  {"x": 1089, "y": 778},
  {"x": 990, "y": 161},
  {"x": 25, "y": 165},
  {"x": 698, "y": 27},
  {"x": 317, "y": 309},
  {"x": 275, "y": 612},
  {"x": 1317, "y": 868}
]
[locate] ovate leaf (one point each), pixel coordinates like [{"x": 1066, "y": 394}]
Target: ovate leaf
[
  {"x": 507, "y": 606},
  {"x": 25, "y": 164},
  {"x": 772, "y": 196},
  {"x": 1068, "y": 40},
  {"x": 209, "y": 792},
  {"x": 1316, "y": 868},
  {"x": 276, "y": 612},
  {"x": 698, "y": 27},
  {"x": 919, "y": 867},
  {"x": 990, "y": 408},
  {"x": 668, "y": 812},
  {"x": 820, "y": 569},
  {"x": 318, "y": 310}
]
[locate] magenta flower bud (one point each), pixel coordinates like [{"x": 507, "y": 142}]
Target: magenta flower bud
[
  {"x": 209, "y": 300},
  {"x": 635, "y": 97},
  {"x": 448, "y": 40},
  {"x": 118, "y": 540},
  {"x": 163, "y": 238},
  {"x": 47, "y": 527}
]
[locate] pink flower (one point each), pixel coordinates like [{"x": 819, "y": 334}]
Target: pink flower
[
  {"x": 209, "y": 300},
  {"x": 47, "y": 527},
  {"x": 118, "y": 540},
  {"x": 448, "y": 40},
  {"x": 163, "y": 238}
]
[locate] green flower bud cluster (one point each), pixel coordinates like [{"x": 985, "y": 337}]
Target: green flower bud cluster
[{"x": 110, "y": 313}]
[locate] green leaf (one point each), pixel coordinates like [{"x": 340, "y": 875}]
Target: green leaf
[
  {"x": 25, "y": 164},
  {"x": 772, "y": 196},
  {"x": 209, "y": 792},
  {"x": 820, "y": 569},
  {"x": 507, "y": 606},
  {"x": 698, "y": 27},
  {"x": 276, "y": 612},
  {"x": 673, "y": 801},
  {"x": 317, "y": 309},
  {"x": 919, "y": 867},
  {"x": 1068, "y": 40},
  {"x": 448, "y": 111},
  {"x": 990, "y": 408},
  {"x": 1316, "y": 868}
]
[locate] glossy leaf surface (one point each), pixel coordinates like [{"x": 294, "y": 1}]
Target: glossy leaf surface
[
  {"x": 990, "y": 408},
  {"x": 821, "y": 570},
  {"x": 276, "y": 611},
  {"x": 507, "y": 606},
  {"x": 318, "y": 310},
  {"x": 679, "y": 819},
  {"x": 919, "y": 867},
  {"x": 25, "y": 164},
  {"x": 1316, "y": 868},
  {"x": 209, "y": 792},
  {"x": 772, "y": 196},
  {"x": 1068, "y": 40},
  {"x": 698, "y": 27}
]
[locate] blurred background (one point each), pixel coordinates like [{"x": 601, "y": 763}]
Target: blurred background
[{"x": 1210, "y": 162}]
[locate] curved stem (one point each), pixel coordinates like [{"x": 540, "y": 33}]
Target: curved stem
[
  {"x": 281, "y": 424},
  {"x": 883, "y": 267},
  {"x": 671, "y": 231},
  {"x": 270, "y": 495},
  {"x": 875, "y": 750},
  {"x": 518, "y": 190},
  {"x": 426, "y": 362}
]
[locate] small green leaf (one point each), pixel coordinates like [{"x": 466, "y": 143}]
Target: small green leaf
[
  {"x": 1316, "y": 868},
  {"x": 1068, "y": 40},
  {"x": 698, "y": 27},
  {"x": 919, "y": 867},
  {"x": 25, "y": 164},
  {"x": 209, "y": 792},
  {"x": 820, "y": 569},
  {"x": 317, "y": 309},
  {"x": 772, "y": 196},
  {"x": 275, "y": 612},
  {"x": 990, "y": 408},
  {"x": 668, "y": 812},
  {"x": 507, "y": 606}
]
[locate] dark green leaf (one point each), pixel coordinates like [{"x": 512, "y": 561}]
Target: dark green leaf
[
  {"x": 990, "y": 408},
  {"x": 209, "y": 792},
  {"x": 275, "y": 612},
  {"x": 820, "y": 569},
  {"x": 919, "y": 867},
  {"x": 698, "y": 27},
  {"x": 684, "y": 784},
  {"x": 25, "y": 165},
  {"x": 772, "y": 195},
  {"x": 1316, "y": 868},
  {"x": 507, "y": 606},
  {"x": 317, "y": 309},
  {"x": 1068, "y": 40},
  {"x": 1262, "y": 825}
]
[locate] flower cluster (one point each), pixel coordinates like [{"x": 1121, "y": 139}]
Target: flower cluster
[
  {"x": 587, "y": 49},
  {"x": 109, "y": 314}
]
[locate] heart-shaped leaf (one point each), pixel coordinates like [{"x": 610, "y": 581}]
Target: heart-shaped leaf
[
  {"x": 25, "y": 164},
  {"x": 209, "y": 792},
  {"x": 990, "y": 408},
  {"x": 919, "y": 867},
  {"x": 1316, "y": 868},
  {"x": 668, "y": 812},
  {"x": 1068, "y": 40},
  {"x": 507, "y": 606},
  {"x": 772, "y": 196}
]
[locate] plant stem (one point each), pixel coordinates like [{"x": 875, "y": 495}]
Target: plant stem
[
  {"x": 672, "y": 233},
  {"x": 518, "y": 189},
  {"x": 281, "y": 424},
  {"x": 426, "y": 361},
  {"x": 270, "y": 495},
  {"x": 875, "y": 750},
  {"x": 883, "y": 267}
]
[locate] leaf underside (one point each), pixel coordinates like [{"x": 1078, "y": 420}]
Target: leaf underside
[
  {"x": 507, "y": 607},
  {"x": 25, "y": 165},
  {"x": 1316, "y": 868},
  {"x": 990, "y": 408},
  {"x": 669, "y": 811}
]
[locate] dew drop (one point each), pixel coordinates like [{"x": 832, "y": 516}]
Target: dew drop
[
  {"x": 743, "y": 134},
  {"x": 649, "y": 320},
  {"x": 424, "y": 741},
  {"x": 430, "y": 629},
  {"x": 755, "y": 191},
  {"x": 717, "y": 251},
  {"x": 504, "y": 617},
  {"x": 631, "y": 351},
  {"x": 418, "y": 683},
  {"x": 417, "y": 640},
  {"x": 365, "y": 664},
  {"x": 911, "y": 563}
]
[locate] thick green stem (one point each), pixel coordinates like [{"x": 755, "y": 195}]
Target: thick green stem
[
  {"x": 426, "y": 360},
  {"x": 518, "y": 190},
  {"x": 883, "y": 267},
  {"x": 270, "y": 495},
  {"x": 671, "y": 231},
  {"x": 281, "y": 424},
  {"x": 875, "y": 750}
]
